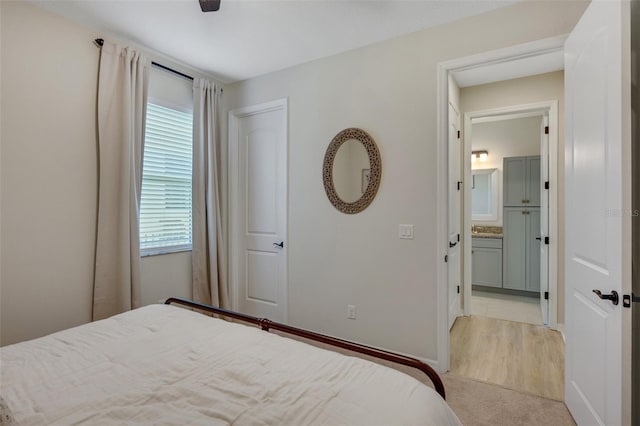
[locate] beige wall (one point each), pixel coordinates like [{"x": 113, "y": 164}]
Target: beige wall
[
  {"x": 49, "y": 177},
  {"x": 49, "y": 74},
  {"x": 389, "y": 90},
  {"x": 544, "y": 87}
]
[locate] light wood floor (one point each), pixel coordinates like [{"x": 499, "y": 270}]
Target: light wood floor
[
  {"x": 518, "y": 356},
  {"x": 506, "y": 307}
]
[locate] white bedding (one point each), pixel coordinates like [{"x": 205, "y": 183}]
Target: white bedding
[{"x": 166, "y": 365}]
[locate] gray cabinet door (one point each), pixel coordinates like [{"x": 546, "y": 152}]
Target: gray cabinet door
[
  {"x": 521, "y": 249},
  {"x": 486, "y": 267},
  {"x": 533, "y": 181},
  {"x": 486, "y": 262},
  {"x": 532, "y": 269},
  {"x": 514, "y": 248},
  {"x": 514, "y": 181},
  {"x": 521, "y": 181}
]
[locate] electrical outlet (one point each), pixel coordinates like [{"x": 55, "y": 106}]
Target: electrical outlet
[{"x": 351, "y": 311}]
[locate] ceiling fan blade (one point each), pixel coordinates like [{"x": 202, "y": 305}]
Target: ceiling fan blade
[{"x": 209, "y": 5}]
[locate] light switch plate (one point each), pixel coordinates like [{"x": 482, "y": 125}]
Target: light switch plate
[{"x": 406, "y": 232}]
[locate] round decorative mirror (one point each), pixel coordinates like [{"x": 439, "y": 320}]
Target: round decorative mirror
[{"x": 351, "y": 171}]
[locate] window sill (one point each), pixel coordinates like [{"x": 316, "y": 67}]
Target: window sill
[{"x": 163, "y": 250}]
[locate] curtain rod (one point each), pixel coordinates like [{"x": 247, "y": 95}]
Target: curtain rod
[{"x": 99, "y": 42}]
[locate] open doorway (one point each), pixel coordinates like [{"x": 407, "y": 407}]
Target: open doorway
[
  {"x": 508, "y": 65},
  {"x": 527, "y": 183},
  {"x": 506, "y": 154},
  {"x": 595, "y": 185},
  {"x": 520, "y": 361},
  {"x": 507, "y": 211}
]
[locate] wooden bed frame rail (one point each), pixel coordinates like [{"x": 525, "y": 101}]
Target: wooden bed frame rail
[{"x": 266, "y": 324}]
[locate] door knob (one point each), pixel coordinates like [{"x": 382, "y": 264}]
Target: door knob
[
  {"x": 613, "y": 296},
  {"x": 281, "y": 244},
  {"x": 452, "y": 244}
]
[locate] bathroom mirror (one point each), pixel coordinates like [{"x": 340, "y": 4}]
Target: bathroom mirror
[
  {"x": 484, "y": 195},
  {"x": 351, "y": 171}
]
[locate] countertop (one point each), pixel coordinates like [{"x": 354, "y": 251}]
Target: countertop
[{"x": 486, "y": 232}]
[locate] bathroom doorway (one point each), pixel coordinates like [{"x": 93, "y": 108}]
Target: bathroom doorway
[{"x": 509, "y": 212}]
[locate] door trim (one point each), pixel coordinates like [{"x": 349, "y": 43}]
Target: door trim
[
  {"x": 523, "y": 110},
  {"x": 460, "y": 248},
  {"x": 234, "y": 200},
  {"x": 532, "y": 49}
]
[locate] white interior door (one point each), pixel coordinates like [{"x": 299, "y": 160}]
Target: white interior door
[
  {"x": 597, "y": 230},
  {"x": 453, "y": 256},
  {"x": 259, "y": 168},
  {"x": 544, "y": 219}
]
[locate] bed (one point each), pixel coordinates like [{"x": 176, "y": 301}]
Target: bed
[{"x": 164, "y": 364}]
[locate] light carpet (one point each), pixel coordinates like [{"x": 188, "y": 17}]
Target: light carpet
[{"x": 482, "y": 404}]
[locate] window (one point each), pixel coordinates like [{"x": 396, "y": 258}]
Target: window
[{"x": 165, "y": 207}]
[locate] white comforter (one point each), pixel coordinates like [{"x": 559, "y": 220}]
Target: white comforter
[{"x": 167, "y": 365}]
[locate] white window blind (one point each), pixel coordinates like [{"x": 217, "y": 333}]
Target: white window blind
[{"x": 165, "y": 208}]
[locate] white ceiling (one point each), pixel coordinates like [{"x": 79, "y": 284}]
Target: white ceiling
[{"x": 247, "y": 38}]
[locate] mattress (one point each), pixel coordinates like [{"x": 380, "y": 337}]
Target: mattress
[{"x": 165, "y": 365}]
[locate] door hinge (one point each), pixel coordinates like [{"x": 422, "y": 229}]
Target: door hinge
[
  {"x": 446, "y": 258},
  {"x": 546, "y": 130},
  {"x": 627, "y": 299},
  {"x": 458, "y": 237},
  {"x": 459, "y": 185},
  {"x": 546, "y": 185},
  {"x": 458, "y": 134},
  {"x": 458, "y": 289},
  {"x": 546, "y": 240},
  {"x": 546, "y": 295}
]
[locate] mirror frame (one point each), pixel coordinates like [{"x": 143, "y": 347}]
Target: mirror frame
[
  {"x": 374, "y": 176},
  {"x": 492, "y": 216}
]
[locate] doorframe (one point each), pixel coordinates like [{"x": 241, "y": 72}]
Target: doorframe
[
  {"x": 233, "y": 168},
  {"x": 523, "y": 110},
  {"x": 526, "y": 50}
]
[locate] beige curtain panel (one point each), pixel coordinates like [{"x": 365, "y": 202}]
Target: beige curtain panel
[
  {"x": 208, "y": 255},
  {"x": 122, "y": 101}
]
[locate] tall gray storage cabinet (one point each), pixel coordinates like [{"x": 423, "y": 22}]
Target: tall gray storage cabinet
[{"x": 521, "y": 223}]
